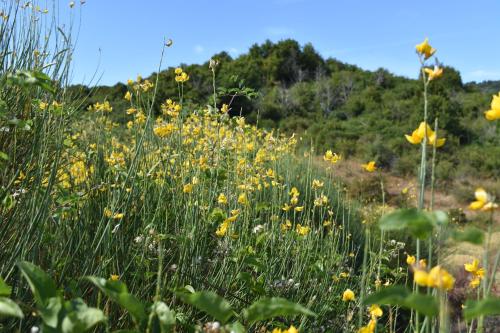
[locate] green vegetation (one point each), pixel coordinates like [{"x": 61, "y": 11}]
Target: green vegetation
[
  {"x": 335, "y": 105},
  {"x": 161, "y": 206}
]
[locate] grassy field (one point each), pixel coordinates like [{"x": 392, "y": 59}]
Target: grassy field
[{"x": 193, "y": 220}]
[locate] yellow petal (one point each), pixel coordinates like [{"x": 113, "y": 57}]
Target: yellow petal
[
  {"x": 481, "y": 195},
  {"x": 495, "y": 102},
  {"x": 492, "y": 114},
  {"x": 475, "y": 205},
  {"x": 413, "y": 139}
]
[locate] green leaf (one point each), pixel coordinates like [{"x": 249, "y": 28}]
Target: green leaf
[
  {"x": 236, "y": 327},
  {"x": 165, "y": 315},
  {"x": 51, "y": 311},
  {"x": 267, "y": 308},
  {"x": 209, "y": 302},
  {"x": 80, "y": 317},
  {"x": 5, "y": 290},
  {"x": 41, "y": 285},
  {"x": 419, "y": 223},
  {"x": 486, "y": 307},
  {"x": 4, "y": 156},
  {"x": 470, "y": 235},
  {"x": 117, "y": 291},
  {"x": 9, "y": 308},
  {"x": 400, "y": 295}
]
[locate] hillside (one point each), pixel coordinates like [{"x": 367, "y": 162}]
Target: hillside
[{"x": 334, "y": 105}]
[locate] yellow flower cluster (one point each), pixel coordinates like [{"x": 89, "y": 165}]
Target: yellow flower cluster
[
  {"x": 437, "y": 277},
  {"x": 180, "y": 75},
  {"x": 98, "y": 107},
  {"x": 170, "y": 108},
  {"x": 331, "y": 157}
]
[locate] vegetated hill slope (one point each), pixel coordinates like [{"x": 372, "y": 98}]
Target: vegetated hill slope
[{"x": 334, "y": 105}]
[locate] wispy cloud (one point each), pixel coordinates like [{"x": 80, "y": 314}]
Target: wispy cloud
[
  {"x": 199, "y": 49},
  {"x": 278, "y": 31},
  {"x": 484, "y": 74},
  {"x": 234, "y": 51}
]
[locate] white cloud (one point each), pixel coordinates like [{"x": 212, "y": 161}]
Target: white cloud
[
  {"x": 199, "y": 49},
  {"x": 483, "y": 74},
  {"x": 234, "y": 51}
]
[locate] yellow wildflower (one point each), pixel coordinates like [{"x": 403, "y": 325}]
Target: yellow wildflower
[
  {"x": 302, "y": 230},
  {"x": 375, "y": 311},
  {"x": 222, "y": 199},
  {"x": 410, "y": 260},
  {"x": 419, "y": 134},
  {"x": 331, "y": 157},
  {"x": 317, "y": 184},
  {"x": 370, "y": 166},
  {"x": 242, "y": 199},
  {"x": 425, "y": 49},
  {"x": 225, "y": 108},
  {"x": 178, "y": 71},
  {"x": 435, "y": 73},
  {"x": 114, "y": 277},
  {"x": 348, "y": 295},
  {"x": 494, "y": 112},
  {"x": 483, "y": 201},
  {"x": 128, "y": 96},
  {"x": 369, "y": 328},
  {"x": 188, "y": 188}
]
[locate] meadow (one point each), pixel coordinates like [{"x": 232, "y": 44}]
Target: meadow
[{"x": 190, "y": 218}]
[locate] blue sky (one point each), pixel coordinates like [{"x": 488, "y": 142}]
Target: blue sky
[{"x": 122, "y": 38}]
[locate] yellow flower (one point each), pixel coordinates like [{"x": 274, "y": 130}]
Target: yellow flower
[
  {"x": 128, "y": 96},
  {"x": 222, "y": 229},
  {"x": 302, "y": 230},
  {"x": 475, "y": 282},
  {"x": 375, "y": 311},
  {"x": 178, "y": 71},
  {"x": 421, "y": 277},
  {"x": 188, "y": 188},
  {"x": 286, "y": 226},
  {"x": 331, "y": 157},
  {"x": 242, "y": 199},
  {"x": 441, "y": 279},
  {"x": 225, "y": 108},
  {"x": 435, "y": 73},
  {"x": 348, "y": 295},
  {"x": 425, "y": 49},
  {"x": 114, "y": 277},
  {"x": 477, "y": 273},
  {"x": 436, "y": 278},
  {"x": 370, "y": 328},
  {"x": 483, "y": 201},
  {"x": 317, "y": 184},
  {"x": 472, "y": 267},
  {"x": 494, "y": 112},
  {"x": 410, "y": 260},
  {"x": 419, "y": 134},
  {"x": 222, "y": 199},
  {"x": 292, "y": 329},
  {"x": 370, "y": 166},
  {"x": 299, "y": 209},
  {"x": 182, "y": 77},
  {"x": 43, "y": 105}
]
